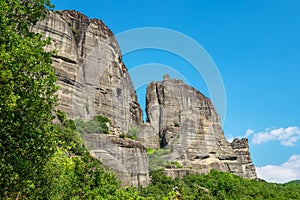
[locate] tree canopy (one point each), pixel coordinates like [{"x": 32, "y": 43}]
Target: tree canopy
[{"x": 27, "y": 88}]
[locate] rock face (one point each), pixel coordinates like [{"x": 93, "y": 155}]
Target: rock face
[
  {"x": 148, "y": 136},
  {"x": 126, "y": 157},
  {"x": 241, "y": 149},
  {"x": 186, "y": 121},
  {"x": 92, "y": 77},
  {"x": 93, "y": 80}
]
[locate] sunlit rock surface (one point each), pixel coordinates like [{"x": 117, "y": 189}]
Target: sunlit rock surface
[
  {"x": 126, "y": 157},
  {"x": 92, "y": 77},
  {"x": 185, "y": 121}
]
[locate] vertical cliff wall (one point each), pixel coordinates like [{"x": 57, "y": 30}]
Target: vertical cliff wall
[
  {"x": 185, "y": 121},
  {"x": 92, "y": 77},
  {"x": 93, "y": 80}
]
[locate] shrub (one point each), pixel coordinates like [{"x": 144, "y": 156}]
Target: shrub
[
  {"x": 122, "y": 135},
  {"x": 173, "y": 164},
  {"x": 131, "y": 134},
  {"x": 98, "y": 124}
]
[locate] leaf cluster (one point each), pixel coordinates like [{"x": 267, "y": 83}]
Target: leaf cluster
[
  {"x": 27, "y": 97},
  {"x": 155, "y": 158},
  {"x": 131, "y": 134}
]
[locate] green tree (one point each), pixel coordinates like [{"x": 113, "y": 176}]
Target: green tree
[
  {"x": 72, "y": 173},
  {"x": 69, "y": 176},
  {"x": 27, "y": 88}
]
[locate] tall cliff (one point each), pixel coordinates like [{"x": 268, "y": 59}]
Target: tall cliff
[
  {"x": 93, "y": 80},
  {"x": 185, "y": 121},
  {"x": 92, "y": 77}
]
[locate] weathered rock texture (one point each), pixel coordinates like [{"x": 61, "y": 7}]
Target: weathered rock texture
[
  {"x": 241, "y": 149},
  {"x": 126, "y": 157},
  {"x": 148, "y": 136},
  {"x": 186, "y": 121},
  {"x": 93, "y": 80},
  {"x": 92, "y": 77}
]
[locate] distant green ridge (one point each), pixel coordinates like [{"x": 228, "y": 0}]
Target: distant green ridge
[{"x": 294, "y": 182}]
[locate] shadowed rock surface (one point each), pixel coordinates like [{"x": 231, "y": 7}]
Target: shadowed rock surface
[{"x": 186, "y": 121}]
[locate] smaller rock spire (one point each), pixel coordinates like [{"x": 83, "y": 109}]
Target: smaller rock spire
[{"x": 166, "y": 77}]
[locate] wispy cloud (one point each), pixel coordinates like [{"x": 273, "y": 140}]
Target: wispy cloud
[
  {"x": 287, "y": 136},
  {"x": 249, "y": 132},
  {"x": 283, "y": 173}
]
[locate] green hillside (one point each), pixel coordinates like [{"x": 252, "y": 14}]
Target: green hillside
[
  {"x": 294, "y": 182},
  {"x": 219, "y": 185}
]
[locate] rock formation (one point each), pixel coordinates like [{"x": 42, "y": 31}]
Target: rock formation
[
  {"x": 93, "y": 80},
  {"x": 241, "y": 149},
  {"x": 126, "y": 157},
  {"x": 92, "y": 77},
  {"x": 186, "y": 121}
]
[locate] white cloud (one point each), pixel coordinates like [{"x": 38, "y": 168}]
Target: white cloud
[
  {"x": 287, "y": 136},
  {"x": 249, "y": 132},
  {"x": 283, "y": 173}
]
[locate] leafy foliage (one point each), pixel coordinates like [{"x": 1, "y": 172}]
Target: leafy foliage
[
  {"x": 98, "y": 124},
  {"x": 131, "y": 134},
  {"x": 155, "y": 160},
  {"x": 27, "y": 87},
  {"x": 218, "y": 185},
  {"x": 173, "y": 165},
  {"x": 294, "y": 182},
  {"x": 73, "y": 174}
]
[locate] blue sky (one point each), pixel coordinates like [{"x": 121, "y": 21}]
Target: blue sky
[{"x": 256, "y": 47}]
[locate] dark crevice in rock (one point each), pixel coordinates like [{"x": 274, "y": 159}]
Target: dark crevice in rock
[{"x": 66, "y": 59}]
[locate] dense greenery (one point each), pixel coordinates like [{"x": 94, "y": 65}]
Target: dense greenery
[
  {"x": 218, "y": 185},
  {"x": 294, "y": 182},
  {"x": 38, "y": 159},
  {"x": 72, "y": 173},
  {"x": 27, "y": 87}
]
